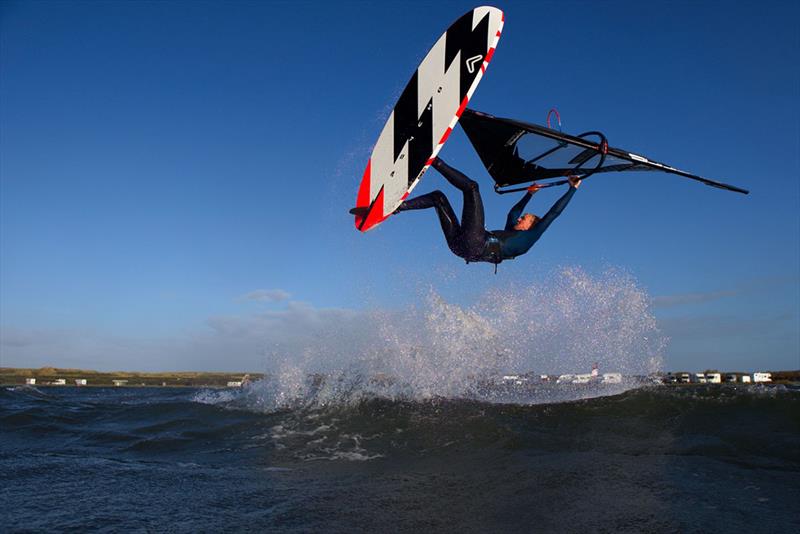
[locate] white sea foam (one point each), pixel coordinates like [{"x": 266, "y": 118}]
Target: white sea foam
[{"x": 438, "y": 349}]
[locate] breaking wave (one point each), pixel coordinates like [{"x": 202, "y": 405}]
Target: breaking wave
[{"x": 438, "y": 349}]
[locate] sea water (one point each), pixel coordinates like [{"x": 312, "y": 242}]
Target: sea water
[
  {"x": 396, "y": 423},
  {"x": 652, "y": 459}
]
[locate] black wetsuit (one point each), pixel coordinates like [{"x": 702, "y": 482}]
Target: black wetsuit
[{"x": 470, "y": 239}]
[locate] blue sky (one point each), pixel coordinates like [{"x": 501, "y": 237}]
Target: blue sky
[{"x": 172, "y": 171}]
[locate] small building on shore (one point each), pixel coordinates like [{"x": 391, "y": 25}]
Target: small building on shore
[
  {"x": 59, "y": 382},
  {"x": 80, "y": 382},
  {"x": 700, "y": 378},
  {"x": 119, "y": 383},
  {"x": 30, "y": 381},
  {"x": 714, "y": 378},
  {"x": 762, "y": 377},
  {"x": 582, "y": 378},
  {"x": 612, "y": 378}
]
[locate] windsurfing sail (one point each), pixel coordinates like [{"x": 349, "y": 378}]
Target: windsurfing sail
[{"x": 516, "y": 152}]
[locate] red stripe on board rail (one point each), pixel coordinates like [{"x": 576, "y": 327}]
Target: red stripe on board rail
[
  {"x": 375, "y": 215},
  {"x": 489, "y": 55},
  {"x": 445, "y": 136},
  {"x": 463, "y": 105},
  {"x": 362, "y": 200}
]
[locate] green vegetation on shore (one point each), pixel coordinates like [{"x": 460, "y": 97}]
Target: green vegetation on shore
[{"x": 48, "y": 375}]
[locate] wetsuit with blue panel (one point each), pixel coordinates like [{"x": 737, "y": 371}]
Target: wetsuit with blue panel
[{"x": 469, "y": 238}]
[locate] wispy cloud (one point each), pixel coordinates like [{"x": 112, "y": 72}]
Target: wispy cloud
[
  {"x": 755, "y": 285},
  {"x": 667, "y": 301},
  {"x": 266, "y": 295},
  {"x": 225, "y": 343},
  {"x": 19, "y": 338}
]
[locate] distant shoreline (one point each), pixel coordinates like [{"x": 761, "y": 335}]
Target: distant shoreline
[
  {"x": 58, "y": 377},
  {"x": 52, "y": 376}
]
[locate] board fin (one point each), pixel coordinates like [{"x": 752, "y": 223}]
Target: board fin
[{"x": 360, "y": 212}]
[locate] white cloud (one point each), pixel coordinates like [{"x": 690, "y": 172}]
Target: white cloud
[{"x": 266, "y": 295}]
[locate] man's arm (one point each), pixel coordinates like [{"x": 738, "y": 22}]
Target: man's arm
[
  {"x": 555, "y": 211},
  {"x": 516, "y": 210},
  {"x": 520, "y": 242},
  {"x": 558, "y": 207}
]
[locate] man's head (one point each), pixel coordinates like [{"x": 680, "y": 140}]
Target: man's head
[{"x": 526, "y": 222}]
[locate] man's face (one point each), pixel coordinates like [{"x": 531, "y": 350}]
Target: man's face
[{"x": 526, "y": 222}]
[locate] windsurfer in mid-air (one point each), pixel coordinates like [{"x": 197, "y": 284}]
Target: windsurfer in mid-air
[{"x": 469, "y": 239}]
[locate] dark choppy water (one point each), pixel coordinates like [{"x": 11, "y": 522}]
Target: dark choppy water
[{"x": 655, "y": 459}]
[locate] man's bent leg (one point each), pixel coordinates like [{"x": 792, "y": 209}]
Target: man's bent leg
[
  {"x": 447, "y": 217},
  {"x": 472, "y": 217}
]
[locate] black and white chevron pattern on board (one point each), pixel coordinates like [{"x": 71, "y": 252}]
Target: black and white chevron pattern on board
[{"x": 426, "y": 112}]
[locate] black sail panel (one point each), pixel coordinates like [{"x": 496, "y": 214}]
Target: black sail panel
[
  {"x": 516, "y": 152},
  {"x": 494, "y": 142}
]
